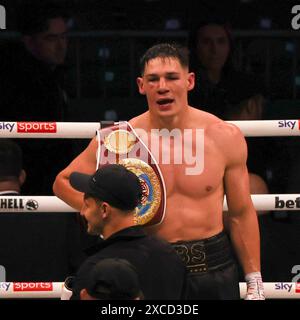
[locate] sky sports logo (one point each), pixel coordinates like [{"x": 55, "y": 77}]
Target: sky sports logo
[
  {"x": 290, "y": 124},
  {"x": 288, "y": 286},
  {"x": 32, "y": 286},
  {"x": 7, "y": 126},
  {"x": 36, "y": 127},
  {"x": 4, "y": 286},
  {"x": 26, "y": 286}
]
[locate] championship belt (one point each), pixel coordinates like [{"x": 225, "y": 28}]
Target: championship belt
[{"x": 118, "y": 143}]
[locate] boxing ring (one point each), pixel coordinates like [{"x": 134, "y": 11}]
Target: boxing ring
[
  {"x": 53, "y": 290},
  {"x": 75, "y": 130}
]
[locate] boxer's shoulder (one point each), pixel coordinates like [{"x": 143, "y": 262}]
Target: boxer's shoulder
[{"x": 140, "y": 121}]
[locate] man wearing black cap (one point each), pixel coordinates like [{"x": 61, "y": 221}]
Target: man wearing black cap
[
  {"x": 112, "y": 279},
  {"x": 12, "y": 175},
  {"x": 110, "y": 198}
]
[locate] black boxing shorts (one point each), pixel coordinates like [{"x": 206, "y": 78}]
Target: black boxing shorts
[{"x": 212, "y": 268}]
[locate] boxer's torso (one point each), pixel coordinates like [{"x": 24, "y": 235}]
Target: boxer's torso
[{"x": 194, "y": 198}]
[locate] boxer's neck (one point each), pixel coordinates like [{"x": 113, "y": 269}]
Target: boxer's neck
[{"x": 178, "y": 121}]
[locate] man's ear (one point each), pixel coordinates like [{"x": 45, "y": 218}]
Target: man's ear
[
  {"x": 140, "y": 83},
  {"x": 191, "y": 81},
  {"x": 105, "y": 209},
  {"x": 22, "y": 177},
  {"x": 85, "y": 296}
]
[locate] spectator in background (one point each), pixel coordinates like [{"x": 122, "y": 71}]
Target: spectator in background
[
  {"x": 220, "y": 88},
  {"x": 12, "y": 175},
  {"x": 35, "y": 247},
  {"x": 31, "y": 87},
  {"x": 112, "y": 279},
  {"x": 34, "y": 78},
  {"x": 224, "y": 91}
]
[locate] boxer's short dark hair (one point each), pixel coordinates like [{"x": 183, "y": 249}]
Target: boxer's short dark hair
[{"x": 165, "y": 50}]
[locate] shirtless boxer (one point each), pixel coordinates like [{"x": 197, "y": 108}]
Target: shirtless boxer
[{"x": 193, "y": 221}]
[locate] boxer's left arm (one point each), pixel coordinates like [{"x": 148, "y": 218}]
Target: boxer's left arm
[
  {"x": 85, "y": 163},
  {"x": 241, "y": 215}
]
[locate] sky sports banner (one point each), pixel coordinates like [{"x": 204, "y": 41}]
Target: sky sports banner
[
  {"x": 70, "y": 130},
  {"x": 273, "y": 290},
  {"x": 30, "y": 289},
  {"x": 87, "y": 130},
  {"x": 28, "y": 127},
  {"x": 19, "y": 204}
]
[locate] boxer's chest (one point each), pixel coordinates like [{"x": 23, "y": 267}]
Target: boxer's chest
[{"x": 194, "y": 169}]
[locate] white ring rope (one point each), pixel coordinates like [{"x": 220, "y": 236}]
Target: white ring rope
[
  {"x": 71, "y": 130},
  {"x": 40, "y": 290},
  {"x": 269, "y": 128},
  {"x": 33, "y": 204},
  {"x": 276, "y": 290},
  {"x": 18, "y": 204},
  {"x": 82, "y": 130}
]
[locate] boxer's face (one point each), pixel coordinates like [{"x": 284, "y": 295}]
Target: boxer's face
[
  {"x": 50, "y": 46},
  {"x": 213, "y": 47},
  {"x": 166, "y": 83}
]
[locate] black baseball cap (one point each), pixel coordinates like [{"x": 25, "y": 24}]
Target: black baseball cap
[
  {"x": 112, "y": 183},
  {"x": 113, "y": 279}
]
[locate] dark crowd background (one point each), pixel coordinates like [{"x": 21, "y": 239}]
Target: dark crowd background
[{"x": 105, "y": 41}]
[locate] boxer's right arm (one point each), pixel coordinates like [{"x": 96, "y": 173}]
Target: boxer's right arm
[{"x": 85, "y": 163}]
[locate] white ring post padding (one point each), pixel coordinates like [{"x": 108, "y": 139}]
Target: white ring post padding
[
  {"x": 18, "y": 204},
  {"x": 275, "y": 202},
  {"x": 268, "y": 128},
  {"x": 276, "y": 290},
  {"x": 37, "y": 290},
  {"x": 40, "y": 290},
  {"x": 70, "y": 130},
  {"x": 81, "y": 130}
]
